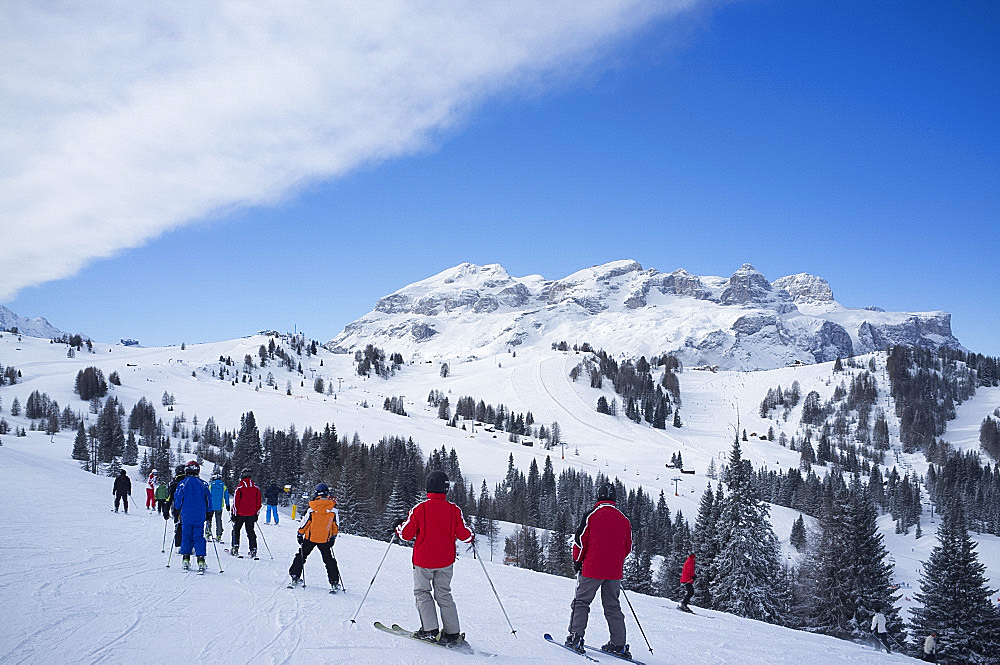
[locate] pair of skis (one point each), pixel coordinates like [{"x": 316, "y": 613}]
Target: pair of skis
[
  {"x": 300, "y": 583},
  {"x": 549, "y": 638},
  {"x": 239, "y": 556},
  {"x": 461, "y": 646}
]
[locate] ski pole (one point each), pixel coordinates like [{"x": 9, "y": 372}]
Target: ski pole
[
  {"x": 172, "y": 548},
  {"x": 476, "y": 556},
  {"x": 217, "y": 558},
  {"x": 163, "y": 547},
  {"x": 265, "y": 544},
  {"x": 373, "y": 577},
  {"x": 302, "y": 558},
  {"x": 637, "y": 621}
]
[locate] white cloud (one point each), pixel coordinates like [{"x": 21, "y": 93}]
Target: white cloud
[{"x": 124, "y": 120}]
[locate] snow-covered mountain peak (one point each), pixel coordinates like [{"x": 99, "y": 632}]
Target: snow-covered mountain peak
[
  {"x": 36, "y": 327},
  {"x": 806, "y": 288},
  {"x": 740, "y": 322}
]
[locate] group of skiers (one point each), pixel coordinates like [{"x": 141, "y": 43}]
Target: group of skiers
[{"x": 601, "y": 544}]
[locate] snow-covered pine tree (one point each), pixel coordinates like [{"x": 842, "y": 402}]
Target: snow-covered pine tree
[
  {"x": 955, "y": 598},
  {"x": 558, "y": 555},
  {"x": 398, "y": 506},
  {"x": 81, "y": 451},
  {"x": 131, "y": 455},
  {"x": 871, "y": 572},
  {"x": 638, "y": 572},
  {"x": 747, "y": 565},
  {"x": 248, "y": 453},
  {"x": 705, "y": 546}
]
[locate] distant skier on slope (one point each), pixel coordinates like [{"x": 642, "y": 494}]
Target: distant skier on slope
[
  {"x": 122, "y": 490},
  {"x": 194, "y": 504},
  {"x": 436, "y": 524},
  {"x": 161, "y": 497},
  {"x": 878, "y": 627},
  {"x": 271, "y": 494},
  {"x": 319, "y": 531},
  {"x": 600, "y": 546},
  {"x": 220, "y": 494},
  {"x": 246, "y": 506},
  {"x": 151, "y": 491},
  {"x": 687, "y": 581},
  {"x": 930, "y": 648}
]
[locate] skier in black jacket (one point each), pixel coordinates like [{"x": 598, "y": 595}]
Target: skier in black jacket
[
  {"x": 271, "y": 494},
  {"x": 168, "y": 507},
  {"x": 122, "y": 490}
]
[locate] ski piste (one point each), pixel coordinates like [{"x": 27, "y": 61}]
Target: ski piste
[
  {"x": 549, "y": 638},
  {"x": 461, "y": 647}
]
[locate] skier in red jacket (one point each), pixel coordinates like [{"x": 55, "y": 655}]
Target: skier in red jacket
[
  {"x": 246, "y": 505},
  {"x": 601, "y": 544},
  {"x": 687, "y": 580},
  {"x": 436, "y": 524}
]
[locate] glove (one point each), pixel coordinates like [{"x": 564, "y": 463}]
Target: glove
[
  {"x": 298, "y": 537},
  {"x": 578, "y": 566},
  {"x": 398, "y": 523}
]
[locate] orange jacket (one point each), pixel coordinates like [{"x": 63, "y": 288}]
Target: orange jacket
[{"x": 321, "y": 526}]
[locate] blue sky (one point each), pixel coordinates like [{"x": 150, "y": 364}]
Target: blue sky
[{"x": 856, "y": 141}]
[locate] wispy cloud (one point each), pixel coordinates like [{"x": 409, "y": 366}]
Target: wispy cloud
[{"x": 123, "y": 120}]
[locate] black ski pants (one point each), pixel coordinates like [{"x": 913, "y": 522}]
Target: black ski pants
[
  {"x": 688, "y": 593},
  {"x": 884, "y": 638},
  {"x": 326, "y": 550},
  {"x": 248, "y": 521},
  {"x": 121, "y": 497}
]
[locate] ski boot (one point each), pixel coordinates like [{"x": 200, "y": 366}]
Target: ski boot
[
  {"x": 620, "y": 651},
  {"x": 202, "y": 567},
  {"x": 235, "y": 550},
  {"x": 187, "y": 563},
  {"x": 253, "y": 554},
  {"x": 296, "y": 581},
  {"x": 575, "y": 642},
  {"x": 429, "y": 635},
  {"x": 450, "y": 639}
]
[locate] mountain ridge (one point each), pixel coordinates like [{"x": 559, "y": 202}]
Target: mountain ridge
[{"x": 744, "y": 321}]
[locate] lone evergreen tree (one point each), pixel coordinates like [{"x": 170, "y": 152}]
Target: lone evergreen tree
[
  {"x": 746, "y": 568},
  {"x": 955, "y": 597},
  {"x": 81, "y": 451}
]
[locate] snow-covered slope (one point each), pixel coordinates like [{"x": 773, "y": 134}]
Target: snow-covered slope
[
  {"x": 37, "y": 327},
  {"x": 82, "y": 584},
  {"x": 740, "y": 322}
]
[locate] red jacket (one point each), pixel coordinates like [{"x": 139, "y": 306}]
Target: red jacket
[
  {"x": 687, "y": 575},
  {"x": 247, "y": 499},
  {"x": 603, "y": 541},
  {"x": 436, "y": 524}
]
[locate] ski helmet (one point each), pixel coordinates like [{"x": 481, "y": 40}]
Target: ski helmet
[
  {"x": 179, "y": 471},
  {"x": 437, "y": 481},
  {"x": 245, "y": 473},
  {"x": 606, "y": 492},
  {"x": 192, "y": 468},
  {"x": 322, "y": 490}
]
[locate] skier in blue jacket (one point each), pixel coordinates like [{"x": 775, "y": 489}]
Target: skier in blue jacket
[
  {"x": 193, "y": 502},
  {"x": 220, "y": 494}
]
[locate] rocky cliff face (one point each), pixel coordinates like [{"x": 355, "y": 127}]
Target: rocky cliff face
[{"x": 743, "y": 321}]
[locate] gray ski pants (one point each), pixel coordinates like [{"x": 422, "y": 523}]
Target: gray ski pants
[
  {"x": 586, "y": 589},
  {"x": 424, "y": 579}
]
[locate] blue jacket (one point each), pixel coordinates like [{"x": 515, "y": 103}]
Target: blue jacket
[
  {"x": 220, "y": 493},
  {"x": 193, "y": 500}
]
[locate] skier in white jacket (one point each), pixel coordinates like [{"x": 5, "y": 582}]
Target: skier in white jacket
[{"x": 878, "y": 627}]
